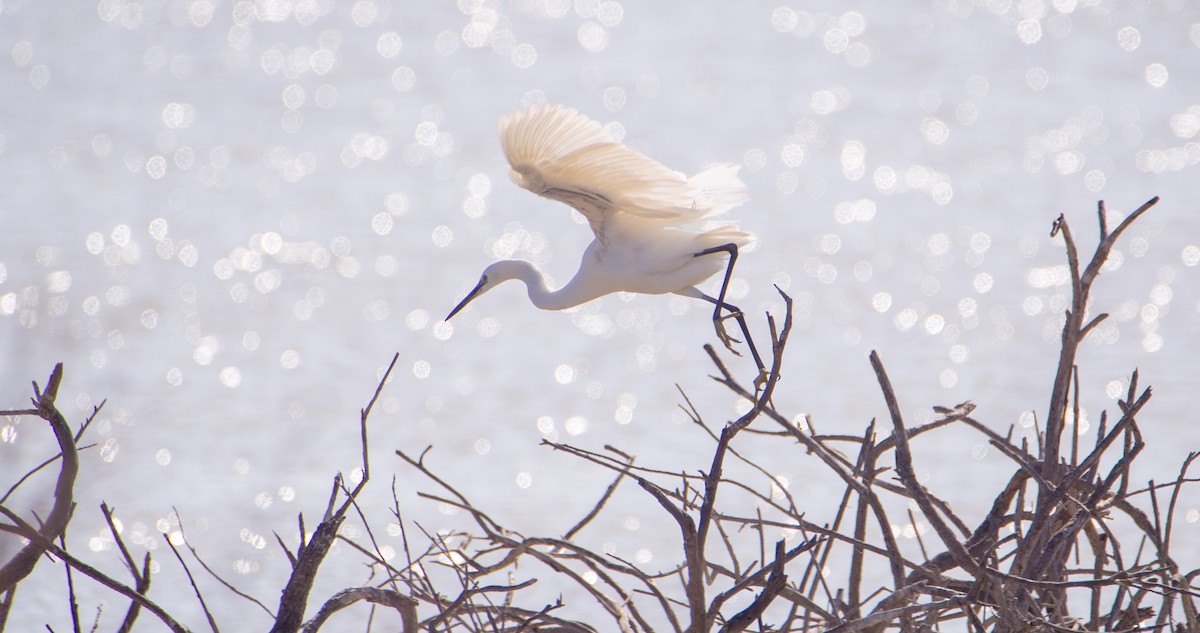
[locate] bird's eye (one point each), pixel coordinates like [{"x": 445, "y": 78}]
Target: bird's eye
[{"x": 483, "y": 280}]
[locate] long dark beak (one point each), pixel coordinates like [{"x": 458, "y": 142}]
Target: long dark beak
[{"x": 470, "y": 295}]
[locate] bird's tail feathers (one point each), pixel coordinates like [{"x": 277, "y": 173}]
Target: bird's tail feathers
[
  {"x": 719, "y": 188},
  {"x": 718, "y": 234},
  {"x": 712, "y": 192}
]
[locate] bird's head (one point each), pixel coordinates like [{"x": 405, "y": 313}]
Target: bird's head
[{"x": 494, "y": 275}]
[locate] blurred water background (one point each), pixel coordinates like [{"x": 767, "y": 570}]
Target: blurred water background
[{"x": 224, "y": 217}]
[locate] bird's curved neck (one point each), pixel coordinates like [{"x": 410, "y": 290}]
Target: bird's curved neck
[{"x": 572, "y": 294}]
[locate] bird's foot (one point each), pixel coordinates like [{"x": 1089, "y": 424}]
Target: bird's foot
[{"x": 723, "y": 335}]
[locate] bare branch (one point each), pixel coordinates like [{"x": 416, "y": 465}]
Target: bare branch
[{"x": 23, "y": 562}]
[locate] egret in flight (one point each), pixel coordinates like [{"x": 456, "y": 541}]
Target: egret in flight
[{"x": 653, "y": 226}]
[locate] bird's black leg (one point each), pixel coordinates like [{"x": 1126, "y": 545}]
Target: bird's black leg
[
  {"x": 734, "y": 312},
  {"x": 732, "y": 250}
]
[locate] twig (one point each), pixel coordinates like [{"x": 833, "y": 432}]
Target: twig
[
  {"x": 608, "y": 493},
  {"x": 217, "y": 576},
  {"x": 141, "y": 579},
  {"x": 310, "y": 555},
  {"x": 31, "y": 533},
  {"x": 775, "y": 584},
  {"x": 405, "y": 606},
  {"x": 905, "y": 470},
  {"x": 23, "y": 562},
  {"x": 212, "y": 622},
  {"x": 71, "y": 599}
]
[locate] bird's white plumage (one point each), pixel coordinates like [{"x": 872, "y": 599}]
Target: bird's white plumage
[
  {"x": 655, "y": 228},
  {"x": 560, "y": 154}
]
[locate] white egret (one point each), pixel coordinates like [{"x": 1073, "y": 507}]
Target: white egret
[{"x": 652, "y": 225}]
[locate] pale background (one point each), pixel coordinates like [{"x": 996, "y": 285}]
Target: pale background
[{"x": 225, "y": 217}]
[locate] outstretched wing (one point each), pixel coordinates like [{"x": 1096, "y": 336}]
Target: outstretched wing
[{"x": 560, "y": 154}]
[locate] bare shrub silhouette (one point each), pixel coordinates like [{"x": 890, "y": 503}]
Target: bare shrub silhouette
[{"x": 1069, "y": 543}]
